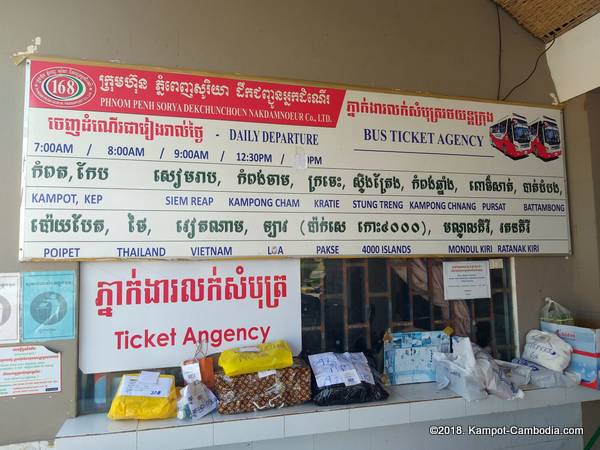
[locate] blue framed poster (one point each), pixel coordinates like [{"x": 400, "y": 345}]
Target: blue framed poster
[{"x": 48, "y": 306}]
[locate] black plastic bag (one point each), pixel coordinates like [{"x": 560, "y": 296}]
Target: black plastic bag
[{"x": 342, "y": 394}]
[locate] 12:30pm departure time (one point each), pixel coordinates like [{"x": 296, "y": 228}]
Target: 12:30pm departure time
[{"x": 254, "y": 157}]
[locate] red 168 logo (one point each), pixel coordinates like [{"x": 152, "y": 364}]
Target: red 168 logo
[{"x": 64, "y": 87}]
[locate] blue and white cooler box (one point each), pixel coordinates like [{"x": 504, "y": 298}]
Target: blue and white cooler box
[
  {"x": 409, "y": 357},
  {"x": 585, "y": 359}
]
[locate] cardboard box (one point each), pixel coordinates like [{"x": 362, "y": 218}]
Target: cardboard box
[
  {"x": 585, "y": 359},
  {"x": 408, "y": 358}
]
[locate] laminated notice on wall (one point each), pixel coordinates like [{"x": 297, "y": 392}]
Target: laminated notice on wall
[
  {"x": 29, "y": 369},
  {"x": 9, "y": 308},
  {"x": 48, "y": 306}
]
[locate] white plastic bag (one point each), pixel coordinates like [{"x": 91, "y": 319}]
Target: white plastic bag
[
  {"x": 196, "y": 401},
  {"x": 554, "y": 312},
  {"x": 545, "y": 378},
  {"x": 472, "y": 373},
  {"x": 518, "y": 374},
  {"x": 547, "y": 350},
  {"x": 495, "y": 380},
  {"x": 459, "y": 373}
]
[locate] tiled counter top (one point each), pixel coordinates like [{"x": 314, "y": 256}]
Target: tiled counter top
[{"x": 406, "y": 404}]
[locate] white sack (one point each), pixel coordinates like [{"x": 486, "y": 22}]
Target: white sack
[{"x": 547, "y": 350}]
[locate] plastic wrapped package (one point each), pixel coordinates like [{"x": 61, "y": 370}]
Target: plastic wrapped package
[
  {"x": 407, "y": 357},
  {"x": 463, "y": 382},
  {"x": 518, "y": 374},
  {"x": 545, "y": 378},
  {"x": 256, "y": 358},
  {"x": 547, "y": 350},
  {"x": 195, "y": 401},
  {"x": 473, "y": 373},
  {"x": 496, "y": 381},
  {"x": 458, "y": 371},
  {"x": 554, "y": 312},
  {"x": 263, "y": 390},
  {"x": 342, "y": 379},
  {"x": 137, "y": 400}
]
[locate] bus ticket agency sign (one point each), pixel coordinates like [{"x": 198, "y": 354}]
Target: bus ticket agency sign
[{"x": 132, "y": 162}]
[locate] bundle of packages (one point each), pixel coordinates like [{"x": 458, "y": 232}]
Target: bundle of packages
[
  {"x": 341, "y": 379},
  {"x": 585, "y": 359},
  {"x": 261, "y": 377},
  {"x": 147, "y": 395},
  {"x": 546, "y": 356},
  {"x": 472, "y": 373}
]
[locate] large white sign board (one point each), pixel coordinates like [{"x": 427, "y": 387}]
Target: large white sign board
[
  {"x": 130, "y": 162},
  {"x": 145, "y": 315}
]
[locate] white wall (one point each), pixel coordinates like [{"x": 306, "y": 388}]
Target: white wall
[{"x": 574, "y": 60}]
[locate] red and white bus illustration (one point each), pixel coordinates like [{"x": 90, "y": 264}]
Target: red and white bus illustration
[
  {"x": 545, "y": 138},
  {"x": 510, "y": 135}
]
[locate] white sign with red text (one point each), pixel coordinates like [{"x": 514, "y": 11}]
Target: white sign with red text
[
  {"x": 466, "y": 280},
  {"x": 145, "y": 315},
  {"x": 123, "y": 162}
]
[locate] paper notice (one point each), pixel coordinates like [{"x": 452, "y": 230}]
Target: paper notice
[
  {"x": 9, "y": 308},
  {"x": 191, "y": 372},
  {"x": 29, "y": 369},
  {"x": 148, "y": 377},
  {"x": 131, "y": 387}
]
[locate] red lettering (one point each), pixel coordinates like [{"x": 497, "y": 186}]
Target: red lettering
[
  {"x": 119, "y": 335},
  {"x": 253, "y": 333},
  {"x": 162, "y": 340},
  {"x": 266, "y": 290},
  {"x": 189, "y": 336},
  {"x": 265, "y": 333},
  {"x": 132, "y": 341},
  {"x": 229, "y": 335},
  {"x": 172, "y": 333}
]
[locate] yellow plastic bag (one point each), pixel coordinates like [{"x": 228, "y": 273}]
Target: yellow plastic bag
[
  {"x": 242, "y": 360},
  {"x": 135, "y": 401}
]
